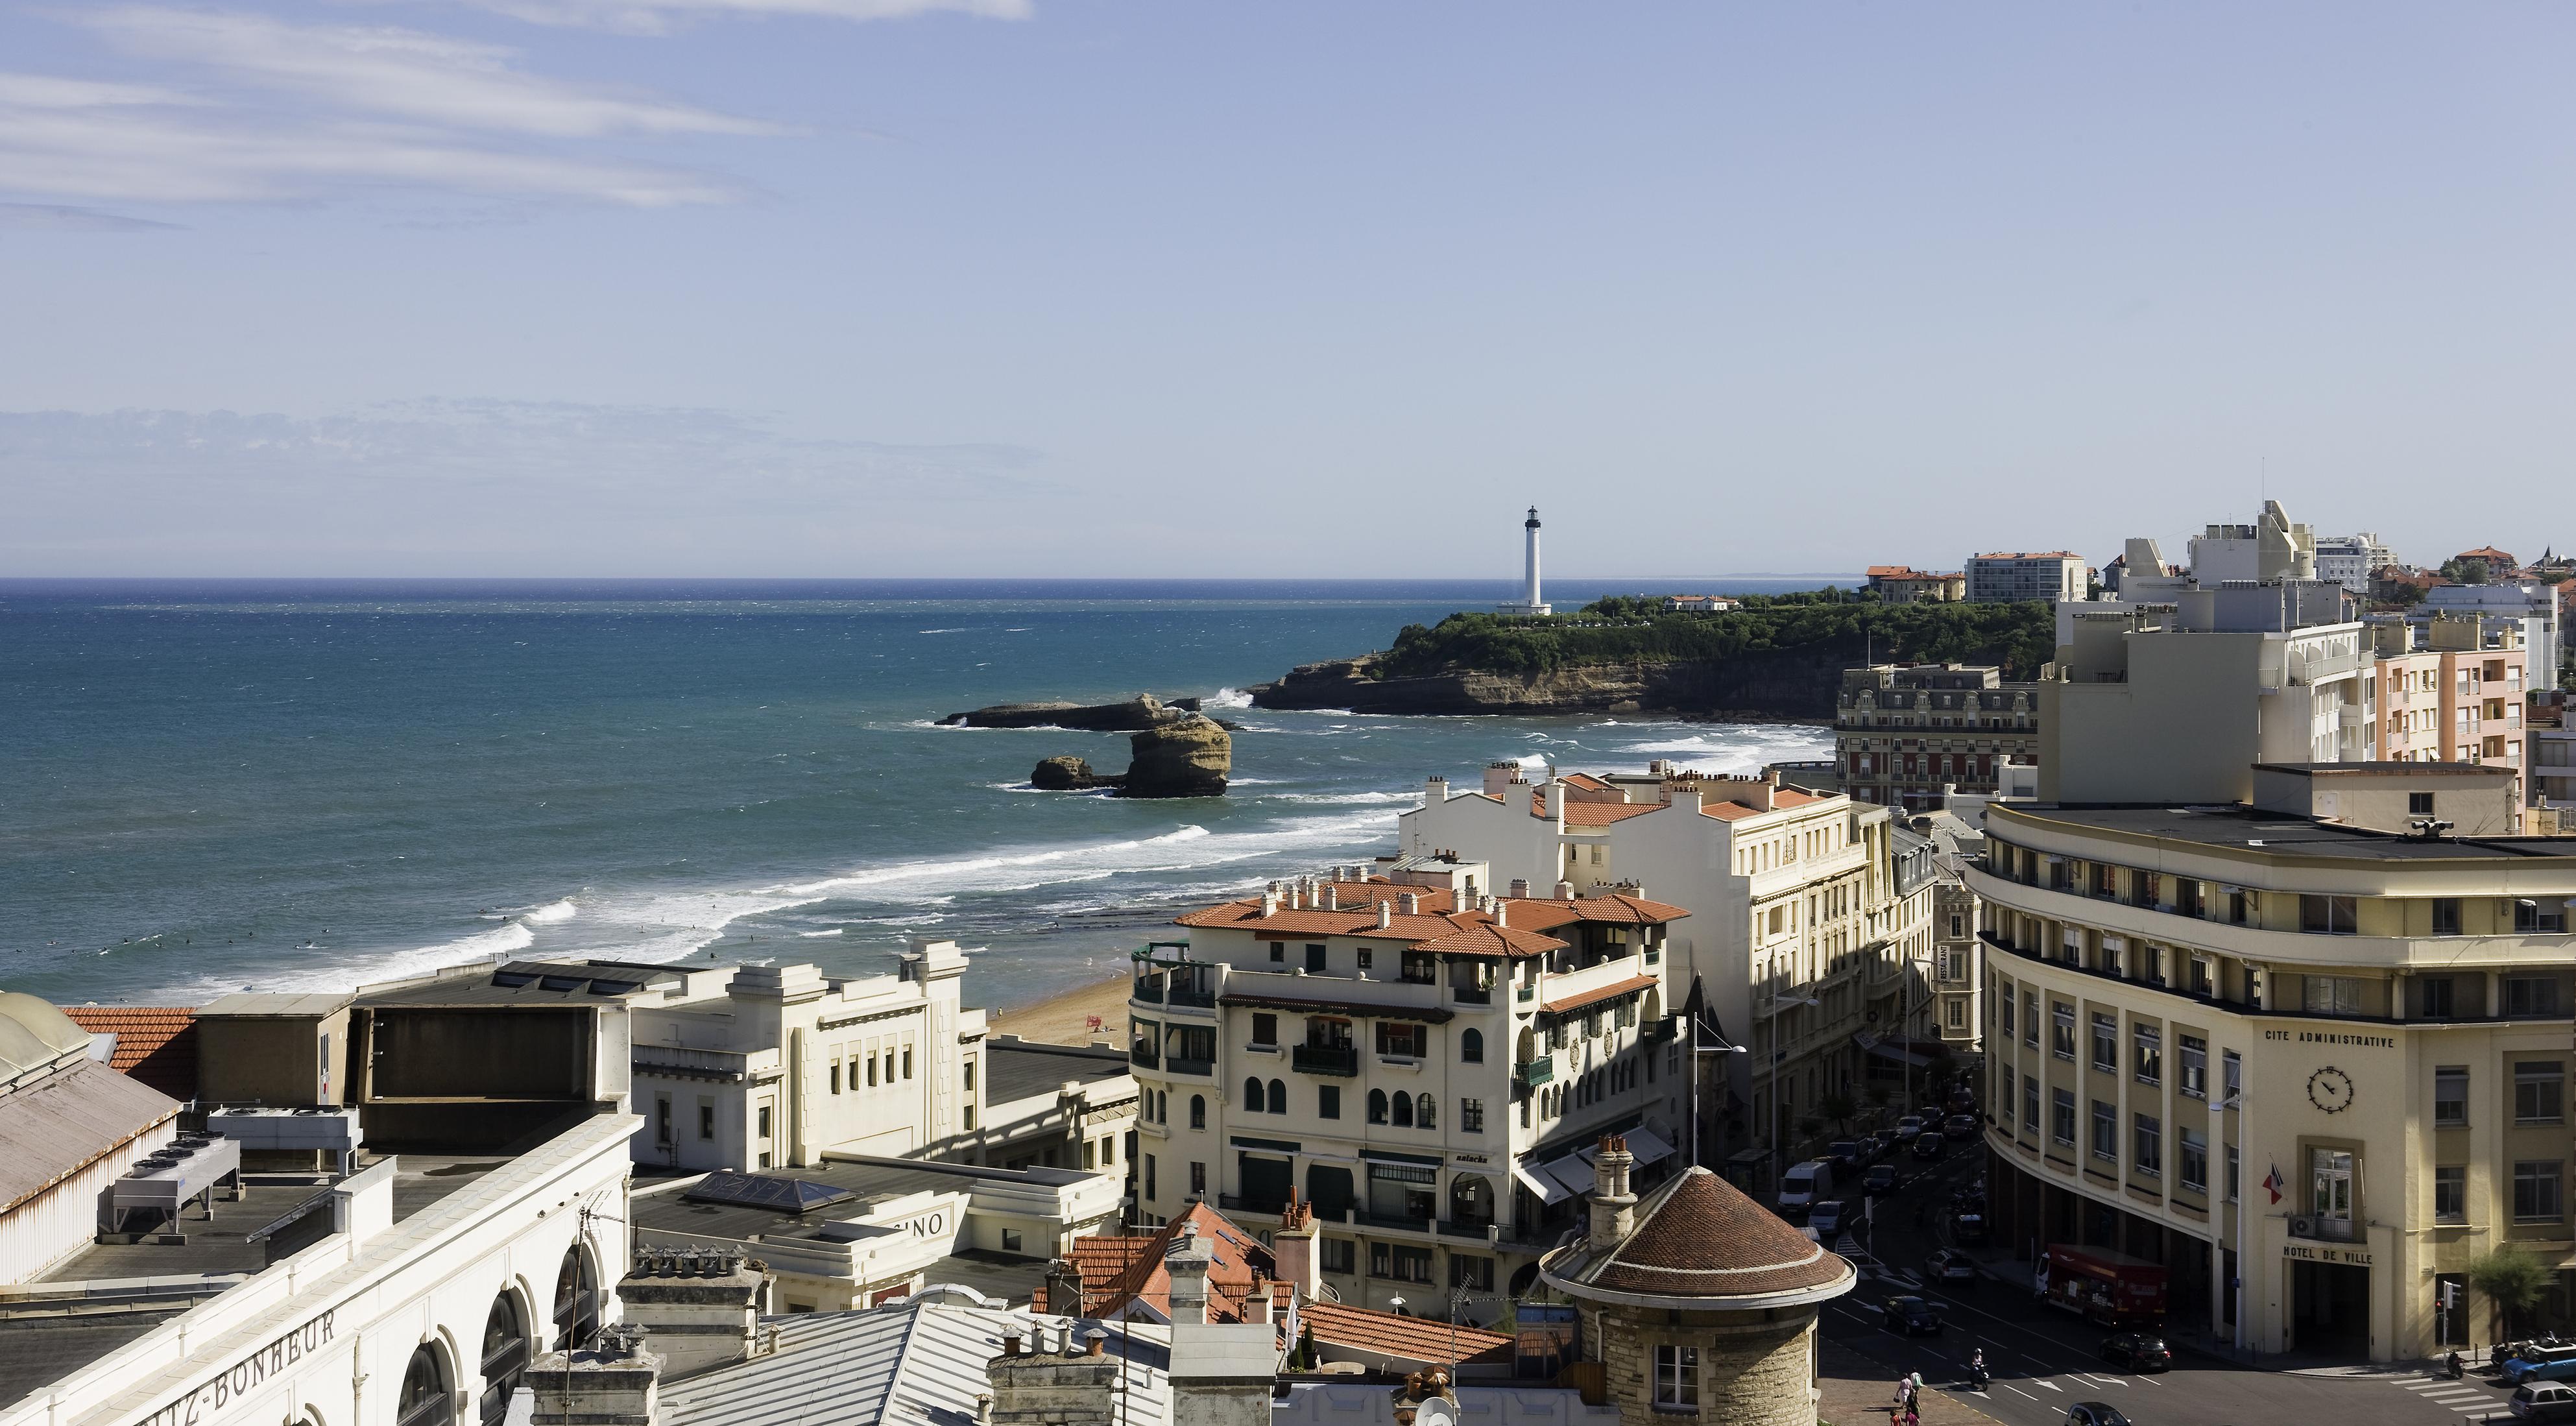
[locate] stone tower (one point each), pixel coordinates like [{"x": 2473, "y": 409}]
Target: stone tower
[{"x": 1700, "y": 1305}]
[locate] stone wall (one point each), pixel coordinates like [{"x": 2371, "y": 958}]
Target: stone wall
[{"x": 1755, "y": 1369}]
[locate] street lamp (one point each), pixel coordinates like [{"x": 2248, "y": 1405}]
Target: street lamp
[
  {"x": 1697, "y": 1050},
  {"x": 2244, "y": 1216}
]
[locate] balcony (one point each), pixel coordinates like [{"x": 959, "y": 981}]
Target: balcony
[
  {"x": 1457, "y": 1228},
  {"x": 1530, "y": 1074},
  {"x": 1143, "y": 1057},
  {"x": 2326, "y": 1230},
  {"x": 1199, "y": 996},
  {"x": 1472, "y": 994},
  {"x": 732, "y": 1066},
  {"x": 1341, "y": 1060},
  {"x": 1149, "y": 988},
  {"x": 1178, "y": 1065},
  {"x": 1237, "y": 1203}
]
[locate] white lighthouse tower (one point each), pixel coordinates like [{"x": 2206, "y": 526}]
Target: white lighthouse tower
[{"x": 1531, "y": 605}]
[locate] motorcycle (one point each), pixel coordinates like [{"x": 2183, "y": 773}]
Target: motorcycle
[{"x": 1979, "y": 1377}]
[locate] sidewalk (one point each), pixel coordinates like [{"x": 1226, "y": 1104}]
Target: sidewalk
[{"x": 1857, "y": 1390}]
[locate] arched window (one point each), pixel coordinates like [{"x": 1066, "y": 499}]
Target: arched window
[
  {"x": 576, "y": 1301},
  {"x": 1426, "y": 1113},
  {"x": 1377, "y": 1106},
  {"x": 1252, "y": 1098},
  {"x": 424, "y": 1400},
  {"x": 1278, "y": 1097},
  {"x": 1471, "y": 1200},
  {"x": 505, "y": 1357},
  {"x": 1403, "y": 1110},
  {"x": 1471, "y": 1047},
  {"x": 1198, "y": 1111}
]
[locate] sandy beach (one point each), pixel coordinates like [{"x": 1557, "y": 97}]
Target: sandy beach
[{"x": 1065, "y": 1019}]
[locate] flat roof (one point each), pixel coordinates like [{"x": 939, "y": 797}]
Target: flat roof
[
  {"x": 282, "y": 1003},
  {"x": 2384, "y": 767},
  {"x": 868, "y": 1181},
  {"x": 43, "y": 1349},
  {"x": 2241, "y": 827},
  {"x": 527, "y": 983},
  {"x": 1019, "y": 1069}
]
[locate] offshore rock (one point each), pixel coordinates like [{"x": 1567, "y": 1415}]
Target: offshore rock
[
  {"x": 1137, "y": 713},
  {"x": 1190, "y": 757},
  {"x": 1065, "y": 773}
]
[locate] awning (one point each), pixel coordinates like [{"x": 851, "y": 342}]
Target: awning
[
  {"x": 1890, "y": 1052},
  {"x": 1573, "y": 1171},
  {"x": 1548, "y": 1190},
  {"x": 1584, "y": 1000},
  {"x": 1647, "y": 1147}
]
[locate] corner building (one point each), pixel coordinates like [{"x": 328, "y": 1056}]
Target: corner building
[{"x": 2185, "y": 1005}]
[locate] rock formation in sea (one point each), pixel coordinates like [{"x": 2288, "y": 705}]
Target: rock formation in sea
[
  {"x": 1190, "y": 757},
  {"x": 1137, "y": 713},
  {"x": 1063, "y": 773}
]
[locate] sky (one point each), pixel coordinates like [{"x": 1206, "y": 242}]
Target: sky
[{"x": 874, "y": 288}]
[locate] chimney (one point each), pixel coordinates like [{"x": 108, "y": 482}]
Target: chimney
[
  {"x": 695, "y": 1309},
  {"x": 1332, "y": 897},
  {"x": 1499, "y": 778},
  {"x": 1551, "y": 802},
  {"x": 1435, "y": 790},
  {"x": 1614, "y": 1208},
  {"x": 1270, "y": 903},
  {"x": 616, "y": 1383},
  {"x": 1565, "y": 891},
  {"x": 1292, "y": 1248},
  {"x": 1502, "y": 912},
  {"x": 1041, "y": 1388},
  {"x": 1095, "y": 1343},
  {"x": 1408, "y": 904},
  {"x": 1520, "y": 888},
  {"x": 1683, "y": 796},
  {"x": 1385, "y": 914},
  {"x": 1187, "y": 1263}
]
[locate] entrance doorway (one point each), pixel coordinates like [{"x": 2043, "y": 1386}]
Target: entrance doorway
[{"x": 2330, "y": 1309}]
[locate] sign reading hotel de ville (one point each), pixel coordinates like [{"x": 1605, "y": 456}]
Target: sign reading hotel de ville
[
  {"x": 225, "y": 1389},
  {"x": 2349, "y": 1257}
]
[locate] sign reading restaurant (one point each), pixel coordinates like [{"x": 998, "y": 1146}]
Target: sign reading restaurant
[{"x": 228, "y": 1387}]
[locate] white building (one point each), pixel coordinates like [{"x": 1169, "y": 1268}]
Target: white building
[
  {"x": 2349, "y": 559},
  {"x": 1809, "y": 940},
  {"x": 2001, "y": 577},
  {"x": 73, "y": 1129},
  {"x": 414, "y": 1292},
  {"x": 1425, "y": 1063},
  {"x": 2534, "y": 606},
  {"x": 1531, "y": 605}
]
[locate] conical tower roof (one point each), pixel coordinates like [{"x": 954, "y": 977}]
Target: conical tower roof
[{"x": 1700, "y": 1244}]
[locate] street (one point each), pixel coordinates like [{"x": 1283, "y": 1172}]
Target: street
[{"x": 2043, "y": 1361}]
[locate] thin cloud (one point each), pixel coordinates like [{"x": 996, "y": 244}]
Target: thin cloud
[
  {"x": 654, "y": 17},
  {"x": 401, "y": 73},
  {"x": 55, "y": 218}
]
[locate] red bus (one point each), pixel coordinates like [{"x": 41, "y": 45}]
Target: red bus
[{"x": 2100, "y": 1285}]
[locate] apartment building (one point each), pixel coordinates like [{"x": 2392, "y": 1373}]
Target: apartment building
[
  {"x": 2349, "y": 559},
  {"x": 1903, "y": 584},
  {"x": 1809, "y": 941},
  {"x": 2002, "y": 577},
  {"x": 2451, "y": 690},
  {"x": 1428, "y": 1065},
  {"x": 2290, "y": 1043},
  {"x": 2178, "y": 702},
  {"x": 1905, "y": 732},
  {"x": 2533, "y": 606}
]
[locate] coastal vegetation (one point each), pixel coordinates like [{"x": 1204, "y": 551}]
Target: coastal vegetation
[{"x": 1623, "y": 630}]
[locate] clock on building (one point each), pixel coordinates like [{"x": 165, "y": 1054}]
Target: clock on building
[{"x": 2330, "y": 1089}]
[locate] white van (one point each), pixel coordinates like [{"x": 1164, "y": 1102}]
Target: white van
[{"x": 1804, "y": 1186}]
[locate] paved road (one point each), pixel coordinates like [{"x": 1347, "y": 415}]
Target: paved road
[{"x": 2044, "y": 1361}]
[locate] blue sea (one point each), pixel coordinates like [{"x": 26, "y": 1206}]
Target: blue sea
[{"x": 214, "y": 785}]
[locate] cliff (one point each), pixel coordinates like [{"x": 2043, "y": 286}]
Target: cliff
[{"x": 1780, "y": 658}]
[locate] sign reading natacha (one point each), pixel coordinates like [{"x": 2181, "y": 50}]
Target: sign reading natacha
[{"x": 226, "y": 1388}]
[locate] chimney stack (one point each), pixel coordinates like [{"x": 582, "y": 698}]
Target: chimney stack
[
  {"x": 1292, "y": 1248},
  {"x": 1408, "y": 904},
  {"x": 1614, "y": 1208},
  {"x": 1188, "y": 1264},
  {"x": 695, "y": 1309},
  {"x": 616, "y": 1383},
  {"x": 1332, "y": 897},
  {"x": 1520, "y": 888},
  {"x": 1385, "y": 914}
]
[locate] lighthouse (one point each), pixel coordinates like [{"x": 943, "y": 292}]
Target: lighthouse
[{"x": 1531, "y": 605}]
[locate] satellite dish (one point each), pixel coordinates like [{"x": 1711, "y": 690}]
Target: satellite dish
[{"x": 1435, "y": 1411}]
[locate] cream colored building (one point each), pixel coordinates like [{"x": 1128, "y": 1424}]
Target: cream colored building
[
  {"x": 1809, "y": 941},
  {"x": 2450, "y": 690},
  {"x": 2185, "y": 1004}
]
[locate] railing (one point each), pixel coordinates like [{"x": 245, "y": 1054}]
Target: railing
[
  {"x": 1178, "y": 1065},
  {"x": 673, "y": 1060},
  {"x": 1342, "y": 1060},
  {"x": 1150, "y": 987},
  {"x": 1143, "y": 1058},
  {"x": 1533, "y": 1073},
  {"x": 1238, "y": 1203},
  {"x": 1526, "y": 993},
  {"x": 1193, "y": 995},
  {"x": 1361, "y": 1217},
  {"x": 1465, "y": 1228},
  {"x": 2326, "y": 1230},
  {"x": 1472, "y": 994}
]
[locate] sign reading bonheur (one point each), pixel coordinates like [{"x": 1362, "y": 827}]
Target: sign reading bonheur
[{"x": 226, "y": 1388}]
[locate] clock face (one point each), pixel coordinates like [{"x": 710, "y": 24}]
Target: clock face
[{"x": 2330, "y": 1089}]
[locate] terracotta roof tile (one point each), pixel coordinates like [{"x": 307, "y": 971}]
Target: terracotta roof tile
[
  {"x": 1584, "y": 780},
  {"x": 1413, "y": 1339},
  {"x": 1700, "y": 1236},
  {"x": 155, "y": 1044},
  {"x": 1611, "y": 991},
  {"x": 1618, "y": 908},
  {"x": 1238, "y": 1261}
]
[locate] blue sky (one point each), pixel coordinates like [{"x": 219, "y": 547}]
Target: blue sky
[{"x": 889, "y": 287}]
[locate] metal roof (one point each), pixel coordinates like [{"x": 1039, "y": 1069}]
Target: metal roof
[
  {"x": 69, "y": 1120},
  {"x": 283, "y": 1003},
  {"x": 920, "y": 1362}
]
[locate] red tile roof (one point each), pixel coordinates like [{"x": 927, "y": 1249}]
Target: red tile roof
[
  {"x": 1395, "y": 1337},
  {"x": 155, "y": 1044},
  {"x": 1601, "y": 814},
  {"x": 1595, "y": 996},
  {"x": 1237, "y": 1262},
  {"x": 1435, "y": 927},
  {"x": 1617, "y": 908},
  {"x": 1584, "y": 780},
  {"x": 1700, "y": 1236}
]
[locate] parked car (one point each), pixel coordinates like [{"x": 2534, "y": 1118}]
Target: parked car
[
  {"x": 1927, "y": 1146},
  {"x": 2549, "y": 1364},
  {"x": 1969, "y": 1228},
  {"x": 2552, "y": 1401},
  {"x": 1963, "y": 1101},
  {"x": 1951, "y": 1268},
  {"x": 1908, "y": 1127},
  {"x": 1881, "y": 1178},
  {"x": 1827, "y": 1219},
  {"x": 2095, "y": 1413},
  {"x": 1911, "y": 1316},
  {"x": 2137, "y": 1351},
  {"x": 1960, "y": 1126},
  {"x": 1844, "y": 1155}
]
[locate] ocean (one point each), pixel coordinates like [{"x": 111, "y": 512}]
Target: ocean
[{"x": 208, "y": 786}]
